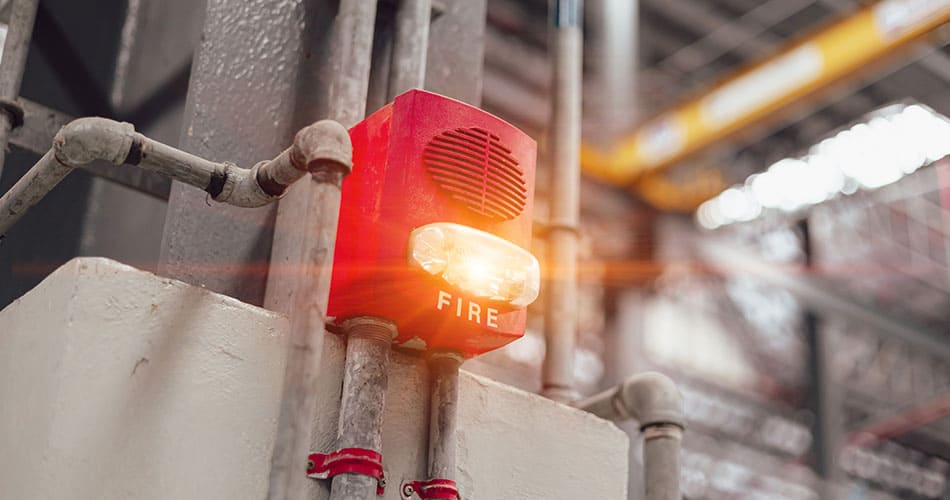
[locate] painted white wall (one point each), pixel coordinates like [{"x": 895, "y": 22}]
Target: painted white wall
[{"x": 118, "y": 384}]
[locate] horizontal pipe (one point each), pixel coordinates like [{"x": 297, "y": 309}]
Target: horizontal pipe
[{"x": 85, "y": 140}]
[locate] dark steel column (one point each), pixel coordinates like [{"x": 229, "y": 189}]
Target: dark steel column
[
  {"x": 241, "y": 106},
  {"x": 823, "y": 400}
]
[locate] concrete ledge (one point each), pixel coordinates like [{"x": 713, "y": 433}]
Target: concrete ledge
[{"x": 119, "y": 384}]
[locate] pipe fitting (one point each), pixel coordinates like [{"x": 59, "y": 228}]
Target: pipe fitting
[
  {"x": 652, "y": 399},
  {"x": 370, "y": 327},
  {"x": 321, "y": 146},
  {"x": 241, "y": 188},
  {"x": 86, "y": 139}
]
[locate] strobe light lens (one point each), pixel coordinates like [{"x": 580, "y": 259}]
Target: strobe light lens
[{"x": 475, "y": 262}]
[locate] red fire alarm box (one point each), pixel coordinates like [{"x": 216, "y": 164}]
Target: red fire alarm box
[{"x": 435, "y": 225}]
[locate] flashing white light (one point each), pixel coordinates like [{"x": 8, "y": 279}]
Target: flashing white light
[
  {"x": 476, "y": 262},
  {"x": 894, "y": 142},
  {"x": 736, "y": 204}
]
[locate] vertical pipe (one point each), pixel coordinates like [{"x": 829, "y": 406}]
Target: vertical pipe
[
  {"x": 612, "y": 97},
  {"x": 443, "y": 415},
  {"x": 560, "y": 319},
  {"x": 353, "y": 44},
  {"x": 349, "y": 66},
  {"x": 365, "y": 379},
  {"x": 408, "y": 67},
  {"x": 661, "y": 462},
  {"x": 655, "y": 403},
  {"x": 823, "y": 399},
  {"x": 289, "y": 462},
  {"x": 12, "y": 63},
  {"x": 311, "y": 246}
]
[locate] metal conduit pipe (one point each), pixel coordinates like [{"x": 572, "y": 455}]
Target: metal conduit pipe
[
  {"x": 308, "y": 292},
  {"x": 408, "y": 68},
  {"x": 309, "y": 247},
  {"x": 365, "y": 378},
  {"x": 407, "y": 71},
  {"x": 85, "y": 140},
  {"x": 15, "y": 49},
  {"x": 443, "y": 415},
  {"x": 560, "y": 315},
  {"x": 653, "y": 400}
]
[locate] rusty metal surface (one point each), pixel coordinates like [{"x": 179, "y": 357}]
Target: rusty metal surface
[
  {"x": 365, "y": 379},
  {"x": 443, "y": 416},
  {"x": 241, "y": 107}
]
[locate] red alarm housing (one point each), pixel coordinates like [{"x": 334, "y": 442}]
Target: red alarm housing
[{"x": 435, "y": 223}]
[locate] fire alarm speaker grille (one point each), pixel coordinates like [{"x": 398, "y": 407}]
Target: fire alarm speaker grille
[{"x": 475, "y": 168}]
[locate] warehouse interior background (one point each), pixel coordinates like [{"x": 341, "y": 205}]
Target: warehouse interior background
[{"x": 791, "y": 274}]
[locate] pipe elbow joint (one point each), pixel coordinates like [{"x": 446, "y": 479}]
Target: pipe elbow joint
[
  {"x": 241, "y": 188},
  {"x": 653, "y": 399},
  {"x": 321, "y": 146},
  {"x": 87, "y": 139}
]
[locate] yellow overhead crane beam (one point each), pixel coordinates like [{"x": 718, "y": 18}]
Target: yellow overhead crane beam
[{"x": 840, "y": 51}]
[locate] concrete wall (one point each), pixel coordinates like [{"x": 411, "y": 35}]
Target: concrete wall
[{"x": 118, "y": 384}]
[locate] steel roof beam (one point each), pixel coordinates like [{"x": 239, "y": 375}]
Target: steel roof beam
[{"x": 818, "y": 295}]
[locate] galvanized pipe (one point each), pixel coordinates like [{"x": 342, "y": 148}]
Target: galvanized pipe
[
  {"x": 661, "y": 462},
  {"x": 560, "y": 320},
  {"x": 653, "y": 400},
  {"x": 365, "y": 378},
  {"x": 30, "y": 189},
  {"x": 323, "y": 145},
  {"x": 13, "y": 62},
  {"x": 303, "y": 296},
  {"x": 443, "y": 415},
  {"x": 306, "y": 335},
  {"x": 353, "y": 45},
  {"x": 408, "y": 67}
]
